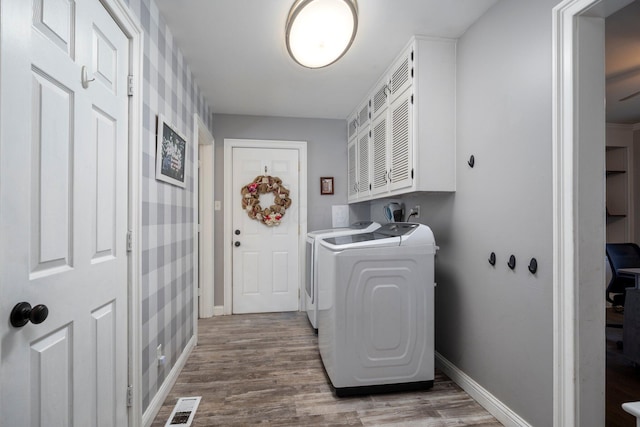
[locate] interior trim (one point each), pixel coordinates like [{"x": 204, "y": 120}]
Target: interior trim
[
  {"x": 495, "y": 406},
  {"x": 134, "y": 32},
  {"x": 156, "y": 403},
  {"x": 229, "y": 144}
]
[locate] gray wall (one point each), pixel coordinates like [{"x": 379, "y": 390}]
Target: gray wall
[
  {"x": 167, "y": 211},
  {"x": 493, "y": 323},
  {"x": 326, "y": 156}
]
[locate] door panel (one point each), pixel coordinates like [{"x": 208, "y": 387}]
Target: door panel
[
  {"x": 105, "y": 143},
  {"x": 104, "y": 357},
  {"x": 265, "y": 264},
  {"x": 55, "y": 19},
  {"x": 51, "y": 390},
  {"x": 63, "y": 214},
  {"x": 51, "y": 174}
]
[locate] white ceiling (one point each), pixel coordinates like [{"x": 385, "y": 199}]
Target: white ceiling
[{"x": 237, "y": 53}]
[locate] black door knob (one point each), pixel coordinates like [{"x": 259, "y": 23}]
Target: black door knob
[
  {"x": 236, "y": 244},
  {"x": 237, "y": 232},
  {"x": 22, "y": 313}
]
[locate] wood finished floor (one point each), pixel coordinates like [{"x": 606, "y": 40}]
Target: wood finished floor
[
  {"x": 623, "y": 378},
  {"x": 266, "y": 369}
]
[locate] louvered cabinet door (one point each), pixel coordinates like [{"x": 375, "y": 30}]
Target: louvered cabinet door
[
  {"x": 379, "y": 99},
  {"x": 401, "y": 77},
  {"x": 352, "y": 127},
  {"x": 364, "y": 115},
  {"x": 401, "y": 143},
  {"x": 352, "y": 176},
  {"x": 379, "y": 170},
  {"x": 364, "y": 181}
]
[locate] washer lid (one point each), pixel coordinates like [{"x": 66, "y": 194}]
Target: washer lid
[
  {"x": 356, "y": 227},
  {"x": 392, "y": 234},
  {"x": 363, "y": 240}
]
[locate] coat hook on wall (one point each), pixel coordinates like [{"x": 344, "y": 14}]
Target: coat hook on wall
[
  {"x": 472, "y": 161},
  {"x": 533, "y": 266},
  {"x": 492, "y": 258},
  {"x": 512, "y": 262}
]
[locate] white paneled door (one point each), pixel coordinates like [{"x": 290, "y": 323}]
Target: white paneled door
[
  {"x": 265, "y": 259},
  {"x": 63, "y": 214}
]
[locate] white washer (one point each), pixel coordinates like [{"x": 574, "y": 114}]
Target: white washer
[
  {"x": 313, "y": 243},
  {"x": 376, "y": 315}
]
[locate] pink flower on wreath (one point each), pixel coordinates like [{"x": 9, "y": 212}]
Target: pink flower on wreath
[{"x": 253, "y": 187}]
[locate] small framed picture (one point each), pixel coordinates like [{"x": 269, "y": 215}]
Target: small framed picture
[
  {"x": 170, "y": 154},
  {"x": 326, "y": 185}
]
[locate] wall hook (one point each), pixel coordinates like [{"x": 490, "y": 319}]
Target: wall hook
[
  {"x": 85, "y": 78},
  {"x": 533, "y": 266},
  {"x": 512, "y": 262},
  {"x": 472, "y": 161},
  {"x": 492, "y": 258}
]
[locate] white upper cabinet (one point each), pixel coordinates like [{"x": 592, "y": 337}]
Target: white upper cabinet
[
  {"x": 379, "y": 143},
  {"x": 400, "y": 150},
  {"x": 401, "y": 76},
  {"x": 409, "y": 123},
  {"x": 358, "y": 154},
  {"x": 352, "y": 175}
]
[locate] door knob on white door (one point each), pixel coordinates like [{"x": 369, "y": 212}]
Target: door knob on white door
[{"x": 22, "y": 313}]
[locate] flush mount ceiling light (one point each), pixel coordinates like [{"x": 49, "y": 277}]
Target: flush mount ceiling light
[{"x": 319, "y": 32}]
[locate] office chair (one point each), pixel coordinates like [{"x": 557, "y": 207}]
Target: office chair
[{"x": 621, "y": 255}]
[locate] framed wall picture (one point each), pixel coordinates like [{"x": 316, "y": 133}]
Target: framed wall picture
[
  {"x": 170, "y": 154},
  {"x": 326, "y": 185}
]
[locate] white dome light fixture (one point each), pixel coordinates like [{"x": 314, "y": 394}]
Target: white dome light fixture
[{"x": 319, "y": 32}]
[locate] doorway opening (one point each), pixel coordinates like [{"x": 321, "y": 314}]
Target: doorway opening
[
  {"x": 245, "y": 239},
  {"x": 204, "y": 259},
  {"x": 579, "y": 207}
]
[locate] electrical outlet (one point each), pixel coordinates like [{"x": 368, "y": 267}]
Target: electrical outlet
[
  {"x": 160, "y": 357},
  {"x": 416, "y": 211}
]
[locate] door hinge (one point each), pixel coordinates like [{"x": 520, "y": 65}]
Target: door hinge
[
  {"x": 411, "y": 99},
  {"x": 129, "y": 396},
  {"x": 411, "y": 173},
  {"x": 130, "y": 85},
  {"x": 129, "y": 241}
]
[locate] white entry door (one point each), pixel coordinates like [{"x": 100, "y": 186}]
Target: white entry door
[
  {"x": 265, "y": 259},
  {"x": 63, "y": 214}
]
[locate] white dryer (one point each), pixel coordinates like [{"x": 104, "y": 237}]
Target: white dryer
[
  {"x": 376, "y": 314},
  {"x": 313, "y": 243}
]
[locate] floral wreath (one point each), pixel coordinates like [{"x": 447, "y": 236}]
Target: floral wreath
[{"x": 251, "y": 199}]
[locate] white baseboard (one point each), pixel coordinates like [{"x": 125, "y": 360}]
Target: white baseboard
[
  {"x": 218, "y": 310},
  {"x": 155, "y": 404},
  {"x": 492, "y": 404}
]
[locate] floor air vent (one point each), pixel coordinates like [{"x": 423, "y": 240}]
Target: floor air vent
[{"x": 184, "y": 412}]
